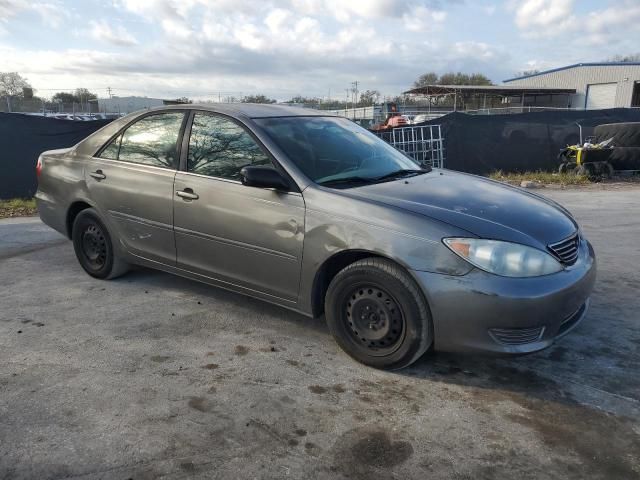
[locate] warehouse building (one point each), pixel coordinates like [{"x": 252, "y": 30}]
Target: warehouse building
[
  {"x": 597, "y": 85},
  {"x": 128, "y": 104}
]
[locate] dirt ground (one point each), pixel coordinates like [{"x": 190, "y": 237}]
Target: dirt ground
[{"x": 153, "y": 376}]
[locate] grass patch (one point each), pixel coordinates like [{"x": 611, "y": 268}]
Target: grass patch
[
  {"x": 18, "y": 207},
  {"x": 542, "y": 177}
]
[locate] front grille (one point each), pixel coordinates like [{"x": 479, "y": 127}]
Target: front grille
[
  {"x": 516, "y": 336},
  {"x": 567, "y": 250}
]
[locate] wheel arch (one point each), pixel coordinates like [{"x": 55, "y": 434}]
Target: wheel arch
[
  {"x": 330, "y": 268},
  {"x": 72, "y": 212}
]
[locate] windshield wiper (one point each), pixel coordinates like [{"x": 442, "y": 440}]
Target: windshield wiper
[
  {"x": 347, "y": 180},
  {"x": 400, "y": 174}
]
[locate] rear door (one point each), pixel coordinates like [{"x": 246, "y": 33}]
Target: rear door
[
  {"x": 245, "y": 236},
  {"x": 131, "y": 181}
]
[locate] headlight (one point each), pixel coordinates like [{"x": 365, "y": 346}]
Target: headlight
[{"x": 504, "y": 258}]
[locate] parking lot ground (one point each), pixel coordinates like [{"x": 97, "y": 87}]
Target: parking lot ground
[{"x": 154, "y": 376}]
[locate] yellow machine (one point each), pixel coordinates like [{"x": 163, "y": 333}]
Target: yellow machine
[{"x": 588, "y": 159}]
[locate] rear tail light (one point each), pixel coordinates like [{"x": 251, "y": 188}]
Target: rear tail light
[{"x": 39, "y": 167}]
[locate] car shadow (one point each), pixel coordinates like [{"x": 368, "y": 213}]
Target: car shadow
[
  {"x": 145, "y": 278},
  {"x": 586, "y": 366}
]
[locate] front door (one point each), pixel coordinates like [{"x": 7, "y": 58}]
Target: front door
[
  {"x": 131, "y": 182},
  {"x": 243, "y": 236}
]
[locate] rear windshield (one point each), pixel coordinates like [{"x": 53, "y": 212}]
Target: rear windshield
[{"x": 328, "y": 148}]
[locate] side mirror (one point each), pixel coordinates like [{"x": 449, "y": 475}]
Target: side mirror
[{"x": 263, "y": 177}]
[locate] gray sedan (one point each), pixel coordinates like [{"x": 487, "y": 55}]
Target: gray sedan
[{"x": 311, "y": 212}]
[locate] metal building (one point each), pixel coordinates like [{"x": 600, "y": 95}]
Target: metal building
[
  {"x": 128, "y": 104},
  {"x": 597, "y": 85}
]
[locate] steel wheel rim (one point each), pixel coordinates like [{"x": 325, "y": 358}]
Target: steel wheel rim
[
  {"x": 374, "y": 320},
  {"x": 94, "y": 246}
]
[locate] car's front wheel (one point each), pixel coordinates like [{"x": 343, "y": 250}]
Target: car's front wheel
[
  {"x": 94, "y": 248},
  {"x": 378, "y": 315}
]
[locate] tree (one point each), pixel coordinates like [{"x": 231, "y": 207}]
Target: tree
[
  {"x": 257, "y": 99},
  {"x": 84, "y": 95},
  {"x": 12, "y": 83},
  {"x": 451, "y": 78},
  {"x": 460, "y": 78},
  {"x": 624, "y": 58},
  {"x": 369, "y": 97},
  {"x": 425, "y": 79},
  {"x": 526, "y": 73},
  {"x": 183, "y": 100},
  {"x": 64, "y": 97},
  {"x": 479, "y": 79},
  {"x": 312, "y": 102},
  {"x": 80, "y": 95}
]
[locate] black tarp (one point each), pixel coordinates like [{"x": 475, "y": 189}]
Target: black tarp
[
  {"x": 24, "y": 137},
  {"x": 481, "y": 144},
  {"x": 473, "y": 143}
]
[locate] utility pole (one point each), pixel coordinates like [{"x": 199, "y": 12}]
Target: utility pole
[
  {"x": 355, "y": 92},
  {"x": 109, "y": 92},
  {"x": 346, "y": 101}
]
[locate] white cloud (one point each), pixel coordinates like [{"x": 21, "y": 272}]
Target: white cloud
[
  {"x": 423, "y": 19},
  {"x": 52, "y": 13},
  {"x": 277, "y": 19},
  {"x": 280, "y": 48},
  {"x": 10, "y": 8},
  {"x": 558, "y": 18},
  {"x": 103, "y": 32},
  {"x": 477, "y": 50},
  {"x": 535, "y": 14},
  {"x": 604, "y": 25}
]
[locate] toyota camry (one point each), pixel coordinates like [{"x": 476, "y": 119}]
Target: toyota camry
[{"x": 311, "y": 212}]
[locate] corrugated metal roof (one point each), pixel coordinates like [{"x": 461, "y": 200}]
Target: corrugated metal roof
[
  {"x": 595, "y": 64},
  {"x": 490, "y": 89}
]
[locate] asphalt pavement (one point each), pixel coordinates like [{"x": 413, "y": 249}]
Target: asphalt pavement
[{"x": 154, "y": 376}]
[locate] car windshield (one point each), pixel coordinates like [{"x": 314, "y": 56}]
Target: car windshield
[{"x": 337, "y": 152}]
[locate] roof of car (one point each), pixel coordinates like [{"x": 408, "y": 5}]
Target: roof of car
[{"x": 254, "y": 110}]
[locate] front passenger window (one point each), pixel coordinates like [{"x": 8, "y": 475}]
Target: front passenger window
[{"x": 220, "y": 148}]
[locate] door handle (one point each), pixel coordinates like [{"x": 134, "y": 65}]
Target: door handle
[
  {"x": 187, "y": 194},
  {"x": 98, "y": 175}
]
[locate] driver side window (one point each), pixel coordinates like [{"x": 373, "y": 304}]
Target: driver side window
[{"x": 220, "y": 148}]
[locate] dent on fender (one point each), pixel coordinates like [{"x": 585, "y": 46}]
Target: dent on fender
[{"x": 330, "y": 235}]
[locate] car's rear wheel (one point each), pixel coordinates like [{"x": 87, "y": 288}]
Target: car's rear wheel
[
  {"x": 378, "y": 315},
  {"x": 94, "y": 248}
]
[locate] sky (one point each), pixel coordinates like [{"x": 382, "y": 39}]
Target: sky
[{"x": 205, "y": 49}]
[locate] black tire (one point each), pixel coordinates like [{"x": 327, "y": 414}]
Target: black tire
[
  {"x": 625, "y": 158},
  {"x": 608, "y": 170},
  {"x": 625, "y": 134},
  {"x": 378, "y": 315},
  {"x": 94, "y": 248}
]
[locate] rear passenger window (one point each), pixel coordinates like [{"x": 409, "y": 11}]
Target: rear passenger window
[
  {"x": 220, "y": 148},
  {"x": 111, "y": 150},
  {"x": 153, "y": 140}
]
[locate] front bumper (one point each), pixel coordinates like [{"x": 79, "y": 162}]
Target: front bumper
[{"x": 482, "y": 312}]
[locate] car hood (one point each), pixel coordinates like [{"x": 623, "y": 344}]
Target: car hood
[{"x": 480, "y": 206}]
